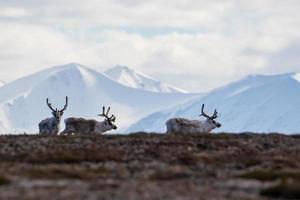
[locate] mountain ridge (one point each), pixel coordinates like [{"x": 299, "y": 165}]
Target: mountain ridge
[
  {"x": 259, "y": 103},
  {"x": 135, "y": 79}
]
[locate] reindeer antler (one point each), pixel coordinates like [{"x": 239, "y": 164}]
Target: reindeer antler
[
  {"x": 49, "y": 105},
  {"x": 54, "y": 110},
  {"x": 111, "y": 118},
  {"x": 66, "y": 105},
  {"x": 214, "y": 116}
]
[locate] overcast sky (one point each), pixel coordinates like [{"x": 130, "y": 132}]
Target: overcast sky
[{"x": 193, "y": 44}]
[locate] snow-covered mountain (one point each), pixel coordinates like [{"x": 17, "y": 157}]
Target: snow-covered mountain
[
  {"x": 256, "y": 103},
  {"x": 134, "y": 79},
  {"x": 23, "y": 106}
]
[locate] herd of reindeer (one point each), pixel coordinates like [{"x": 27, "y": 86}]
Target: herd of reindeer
[{"x": 73, "y": 125}]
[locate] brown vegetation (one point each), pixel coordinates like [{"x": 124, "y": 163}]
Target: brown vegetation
[{"x": 150, "y": 166}]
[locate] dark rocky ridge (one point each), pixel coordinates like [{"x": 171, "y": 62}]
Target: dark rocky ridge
[{"x": 150, "y": 166}]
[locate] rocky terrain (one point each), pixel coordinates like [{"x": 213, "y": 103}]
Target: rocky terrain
[{"x": 150, "y": 166}]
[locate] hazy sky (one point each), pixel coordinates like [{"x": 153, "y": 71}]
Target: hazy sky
[{"x": 193, "y": 44}]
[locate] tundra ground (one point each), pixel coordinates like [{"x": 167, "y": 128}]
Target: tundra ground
[{"x": 150, "y": 166}]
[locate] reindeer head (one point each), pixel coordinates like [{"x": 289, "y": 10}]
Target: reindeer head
[
  {"x": 211, "y": 120},
  {"x": 57, "y": 113},
  {"x": 108, "y": 122}
]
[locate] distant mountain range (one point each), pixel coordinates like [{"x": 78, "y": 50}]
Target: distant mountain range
[
  {"x": 138, "y": 80},
  {"x": 23, "y": 106},
  {"x": 256, "y": 103}
]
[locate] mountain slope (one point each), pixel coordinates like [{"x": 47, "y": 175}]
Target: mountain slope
[
  {"x": 22, "y": 102},
  {"x": 256, "y": 103},
  {"x": 134, "y": 79}
]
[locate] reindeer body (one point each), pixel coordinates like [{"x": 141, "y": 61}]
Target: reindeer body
[
  {"x": 51, "y": 125},
  {"x": 85, "y": 126},
  {"x": 89, "y": 126},
  {"x": 186, "y": 126}
]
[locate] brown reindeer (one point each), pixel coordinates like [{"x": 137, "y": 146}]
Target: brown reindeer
[{"x": 90, "y": 126}]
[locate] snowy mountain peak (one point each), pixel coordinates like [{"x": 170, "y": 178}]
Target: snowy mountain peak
[
  {"x": 138, "y": 80},
  {"x": 72, "y": 66},
  {"x": 122, "y": 70}
]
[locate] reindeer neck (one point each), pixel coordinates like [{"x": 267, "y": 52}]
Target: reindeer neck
[
  {"x": 56, "y": 120},
  {"x": 99, "y": 127},
  {"x": 209, "y": 126}
]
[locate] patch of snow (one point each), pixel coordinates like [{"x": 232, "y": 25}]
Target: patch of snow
[
  {"x": 296, "y": 76},
  {"x": 238, "y": 91}
]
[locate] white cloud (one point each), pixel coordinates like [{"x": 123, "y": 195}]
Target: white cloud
[
  {"x": 203, "y": 43},
  {"x": 13, "y": 12},
  {"x": 27, "y": 48}
]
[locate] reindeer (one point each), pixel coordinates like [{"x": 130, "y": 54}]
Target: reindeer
[
  {"x": 89, "y": 126},
  {"x": 185, "y": 126},
  {"x": 51, "y": 126}
]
